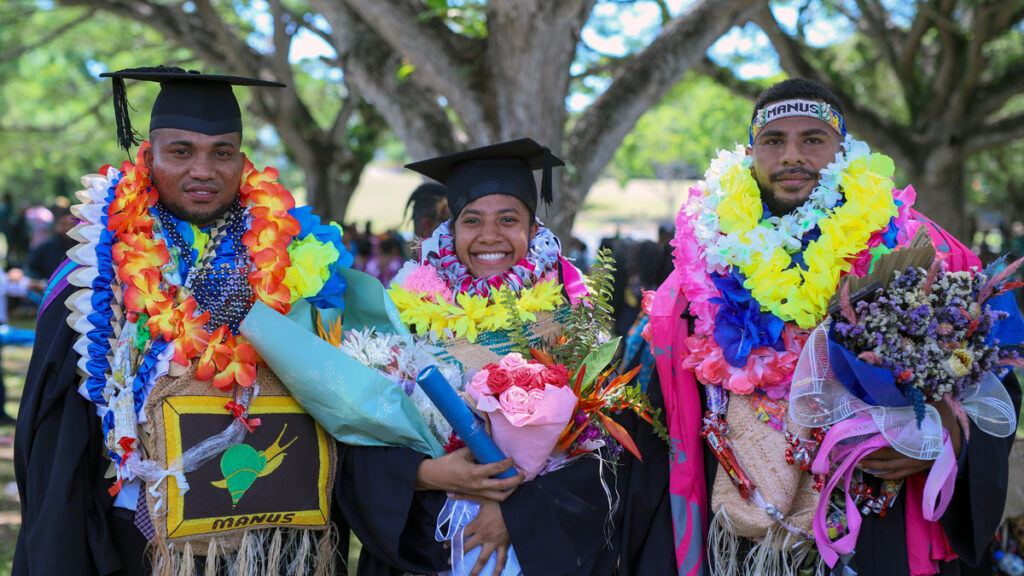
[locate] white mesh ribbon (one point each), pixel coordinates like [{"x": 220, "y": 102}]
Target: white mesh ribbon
[
  {"x": 988, "y": 404},
  {"x": 817, "y": 398}
]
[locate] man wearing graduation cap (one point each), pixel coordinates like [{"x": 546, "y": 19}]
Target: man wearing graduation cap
[
  {"x": 560, "y": 522},
  {"x": 173, "y": 250}
]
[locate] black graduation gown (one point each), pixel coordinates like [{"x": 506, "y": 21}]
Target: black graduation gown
[
  {"x": 556, "y": 521},
  {"x": 69, "y": 524},
  {"x": 969, "y": 522},
  {"x": 646, "y": 540}
]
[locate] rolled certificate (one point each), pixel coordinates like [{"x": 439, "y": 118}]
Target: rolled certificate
[{"x": 466, "y": 424}]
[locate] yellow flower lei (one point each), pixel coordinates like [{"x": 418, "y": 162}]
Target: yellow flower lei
[
  {"x": 796, "y": 295},
  {"x": 471, "y": 314}
]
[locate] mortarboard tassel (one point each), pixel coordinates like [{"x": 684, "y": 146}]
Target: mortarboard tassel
[
  {"x": 545, "y": 183},
  {"x": 126, "y": 136}
]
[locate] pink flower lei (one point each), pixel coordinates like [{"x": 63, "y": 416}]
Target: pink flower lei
[{"x": 541, "y": 259}]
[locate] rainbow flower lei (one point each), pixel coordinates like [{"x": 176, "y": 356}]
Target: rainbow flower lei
[
  {"x": 736, "y": 269},
  {"x": 139, "y": 255},
  {"x": 728, "y": 209}
]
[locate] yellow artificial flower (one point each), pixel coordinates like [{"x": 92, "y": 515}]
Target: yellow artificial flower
[
  {"x": 310, "y": 267},
  {"x": 741, "y": 208},
  {"x": 496, "y": 318},
  {"x": 541, "y": 297},
  {"x": 199, "y": 240},
  {"x": 412, "y": 309},
  {"x": 472, "y": 310}
]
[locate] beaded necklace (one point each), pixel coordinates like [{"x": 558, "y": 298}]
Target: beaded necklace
[
  {"x": 218, "y": 281},
  {"x": 142, "y": 256}
]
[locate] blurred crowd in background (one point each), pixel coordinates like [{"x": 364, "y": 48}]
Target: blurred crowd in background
[{"x": 34, "y": 239}]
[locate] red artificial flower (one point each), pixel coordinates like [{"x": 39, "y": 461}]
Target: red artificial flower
[
  {"x": 526, "y": 378},
  {"x": 557, "y": 375},
  {"x": 454, "y": 443},
  {"x": 498, "y": 379}
]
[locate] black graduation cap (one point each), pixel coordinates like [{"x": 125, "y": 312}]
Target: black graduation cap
[
  {"x": 188, "y": 100},
  {"x": 504, "y": 168}
]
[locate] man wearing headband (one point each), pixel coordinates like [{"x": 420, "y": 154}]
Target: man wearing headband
[{"x": 729, "y": 325}]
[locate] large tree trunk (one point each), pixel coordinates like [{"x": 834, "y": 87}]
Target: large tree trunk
[
  {"x": 514, "y": 82},
  {"x": 329, "y": 184},
  {"x": 530, "y": 82},
  {"x": 940, "y": 194}
]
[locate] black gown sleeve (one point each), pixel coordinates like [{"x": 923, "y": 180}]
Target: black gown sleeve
[
  {"x": 557, "y": 522},
  {"x": 560, "y": 522},
  {"x": 976, "y": 508},
  {"x": 647, "y": 543},
  {"x": 68, "y": 525},
  {"x": 374, "y": 488}
]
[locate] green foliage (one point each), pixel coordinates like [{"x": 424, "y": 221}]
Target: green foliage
[
  {"x": 517, "y": 333},
  {"x": 59, "y": 124},
  {"x": 678, "y": 137},
  {"x": 995, "y": 181},
  {"x": 467, "y": 17},
  {"x": 589, "y": 323},
  {"x": 58, "y": 120},
  {"x": 633, "y": 396}
]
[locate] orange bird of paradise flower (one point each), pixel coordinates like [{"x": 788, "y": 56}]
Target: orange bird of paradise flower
[{"x": 594, "y": 402}]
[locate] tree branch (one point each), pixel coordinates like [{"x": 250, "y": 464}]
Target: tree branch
[
  {"x": 433, "y": 49},
  {"x": 93, "y": 110},
  {"x": 877, "y": 25},
  {"x": 645, "y": 79},
  {"x": 863, "y": 120},
  {"x": 348, "y": 107},
  {"x": 789, "y": 49},
  {"x": 723, "y": 76},
  {"x": 993, "y": 95},
  {"x": 666, "y": 14},
  {"x": 993, "y": 134},
  {"x": 371, "y": 66},
  {"x": 611, "y": 65}
]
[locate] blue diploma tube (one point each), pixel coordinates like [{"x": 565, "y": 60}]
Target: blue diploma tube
[{"x": 466, "y": 424}]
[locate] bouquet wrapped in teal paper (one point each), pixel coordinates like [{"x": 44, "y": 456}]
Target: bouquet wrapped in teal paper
[{"x": 354, "y": 402}]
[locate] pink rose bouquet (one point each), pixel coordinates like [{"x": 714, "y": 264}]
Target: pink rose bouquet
[{"x": 529, "y": 404}]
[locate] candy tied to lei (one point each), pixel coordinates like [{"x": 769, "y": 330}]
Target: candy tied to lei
[
  {"x": 908, "y": 336},
  {"x": 755, "y": 284}
]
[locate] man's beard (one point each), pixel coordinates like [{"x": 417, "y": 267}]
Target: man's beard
[
  {"x": 782, "y": 206},
  {"x": 199, "y": 217}
]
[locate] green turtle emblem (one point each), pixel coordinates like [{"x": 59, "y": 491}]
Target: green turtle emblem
[{"x": 242, "y": 465}]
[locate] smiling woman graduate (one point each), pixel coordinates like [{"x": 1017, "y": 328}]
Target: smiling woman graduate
[{"x": 392, "y": 496}]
